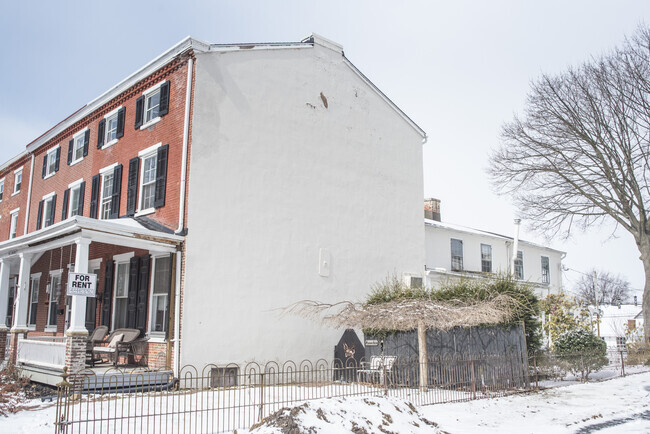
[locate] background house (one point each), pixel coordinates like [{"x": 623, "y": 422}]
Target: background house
[
  {"x": 619, "y": 323},
  {"x": 454, "y": 252}
]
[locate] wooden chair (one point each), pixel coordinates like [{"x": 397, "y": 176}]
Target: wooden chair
[{"x": 119, "y": 343}]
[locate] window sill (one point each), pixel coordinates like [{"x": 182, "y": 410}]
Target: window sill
[
  {"x": 72, "y": 163},
  {"x": 49, "y": 175},
  {"x": 15, "y": 193},
  {"x": 31, "y": 328},
  {"x": 156, "y": 338},
  {"x": 145, "y": 212},
  {"x": 50, "y": 329},
  {"x": 109, "y": 144},
  {"x": 151, "y": 123}
]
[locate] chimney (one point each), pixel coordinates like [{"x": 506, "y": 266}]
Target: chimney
[{"x": 432, "y": 209}]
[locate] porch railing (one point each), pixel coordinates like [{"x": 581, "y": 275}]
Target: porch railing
[{"x": 47, "y": 352}]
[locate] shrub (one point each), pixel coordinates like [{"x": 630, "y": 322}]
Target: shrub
[{"x": 581, "y": 352}]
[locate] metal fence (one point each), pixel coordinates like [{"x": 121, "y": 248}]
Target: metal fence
[{"x": 232, "y": 397}]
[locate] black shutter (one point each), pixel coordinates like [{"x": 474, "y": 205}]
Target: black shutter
[
  {"x": 108, "y": 294},
  {"x": 50, "y": 218},
  {"x": 86, "y": 141},
  {"x": 44, "y": 165},
  {"x": 120, "y": 122},
  {"x": 131, "y": 307},
  {"x": 64, "y": 205},
  {"x": 82, "y": 189},
  {"x": 70, "y": 147},
  {"x": 39, "y": 215},
  {"x": 161, "y": 177},
  {"x": 56, "y": 162},
  {"x": 94, "y": 196},
  {"x": 169, "y": 291},
  {"x": 132, "y": 188},
  {"x": 100, "y": 133},
  {"x": 163, "y": 109},
  {"x": 143, "y": 293},
  {"x": 139, "y": 112},
  {"x": 117, "y": 190}
]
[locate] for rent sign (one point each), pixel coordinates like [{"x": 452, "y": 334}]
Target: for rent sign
[{"x": 82, "y": 284}]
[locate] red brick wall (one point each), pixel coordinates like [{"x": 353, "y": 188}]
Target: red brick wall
[{"x": 10, "y": 201}]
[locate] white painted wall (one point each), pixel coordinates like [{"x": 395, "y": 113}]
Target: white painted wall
[
  {"x": 438, "y": 255},
  {"x": 275, "y": 176}
]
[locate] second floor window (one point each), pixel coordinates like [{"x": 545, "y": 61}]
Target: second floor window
[
  {"x": 105, "y": 193},
  {"x": 456, "y": 255},
  {"x": 107, "y": 196},
  {"x": 148, "y": 185},
  {"x": 46, "y": 210},
  {"x": 152, "y": 105},
  {"x": 486, "y": 258},
  {"x": 546, "y": 271},
  {"x": 13, "y": 226},
  {"x": 147, "y": 180},
  {"x": 519, "y": 266},
  {"x": 2, "y": 188}
]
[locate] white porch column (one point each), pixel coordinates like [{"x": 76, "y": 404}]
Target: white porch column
[
  {"x": 4, "y": 293},
  {"x": 22, "y": 294},
  {"x": 78, "y": 308}
]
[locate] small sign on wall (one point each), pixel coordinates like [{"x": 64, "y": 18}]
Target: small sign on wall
[
  {"x": 372, "y": 343},
  {"x": 82, "y": 284}
]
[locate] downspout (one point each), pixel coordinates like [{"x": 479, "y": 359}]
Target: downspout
[
  {"x": 177, "y": 315},
  {"x": 515, "y": 247},
  {"x": 186, "y": 134},
  {"x": 29, "y": 194}
]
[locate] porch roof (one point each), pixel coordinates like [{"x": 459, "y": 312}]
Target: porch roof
[{"x": 123, "y": 231}]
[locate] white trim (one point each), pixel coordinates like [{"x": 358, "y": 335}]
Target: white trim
[
  {"x": 17, "y": 173},
  {"x": 95, "y": 263},
  {"x": 149, "y": 150},
  {"x": 105, "y": 170},
  {"x": 56, "y": 272},
  {"x": 144, "y": 212},
  {"x": 14, "y": 211},
  {"x": 49, "y": 329},
  {"x": 52, "y": 149},
  {"x": 109, "y": 144},
  {"x": 35, "y": 275},
  {"x": 49, "y": 195},
  {"x": 75, "y": 183},
  {"x": 112, "y": 112},
  {"x": 123, "y": 257},
  {"x": 152, "y": 269},
  {"x": 80, "y": 132},
  {"x": 74, "y": 187},
  {"x": 75, "y": 137},
  {"x": 20, "y": 169},
  {"x": 151, "y": 123},
  {"x": 143, "y": 158},
  {"x": 153, "y": 88}
]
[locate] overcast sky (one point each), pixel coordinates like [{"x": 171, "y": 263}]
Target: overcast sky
[{"x": 458, "y": 69}]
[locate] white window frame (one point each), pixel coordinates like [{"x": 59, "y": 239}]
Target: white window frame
[
  {"x": 108, "y": 117},
  {"x": 546, "y": 280},
  {"x": 124, "y": 258},
  {"x": 462, "y": 255},
  {"x": 79, "y": 137},
  {"x": 145, "y": 106},
  {"x": 13, "y": 223},
  {"x": 51, "y": 161},
  {"x": 52, "y": 328},
  {"x": 74, "y": 187},
  {"x": 521, "y": 277},
  {"x": 150, "y": 152},
  {"x": 47, "y": 199},
  {"x": 18, "y": 173},
  {"x": 108, "y": 170},
  {"x": 2, "y": 189},
  {"x": 156, "y": 335},
  {"x": 31, "y": 298}
]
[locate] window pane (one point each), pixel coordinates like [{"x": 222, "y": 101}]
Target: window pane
[
  {"x": 519, "y": 265},
  {"x": 456, "y": 255},
  {"x": 159, "y": 311},
  {"x": 121, "y": 289},
  {"x": 546, "y": 273},
  {"x": 107, "y": 191},
  {"x": 74, "y": 201},
  {"x": 153, "y": 101},
  {"x": 162, "y": 275},
  {"x": 78, "y": 148},
  {"x": 486, "y": 258},
  {"x": 111, "y": 128}
]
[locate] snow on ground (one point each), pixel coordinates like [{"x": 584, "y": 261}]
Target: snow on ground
[
  {"x": 620, "y": 405},
  {"x": 613, "y": 406}
]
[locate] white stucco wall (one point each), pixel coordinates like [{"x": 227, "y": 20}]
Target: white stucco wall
[
  {"x": 275, "y": 177},
  {"x": 438, "y": 256}
]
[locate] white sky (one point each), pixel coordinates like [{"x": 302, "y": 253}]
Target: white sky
[{"x": 459, "y": 69}]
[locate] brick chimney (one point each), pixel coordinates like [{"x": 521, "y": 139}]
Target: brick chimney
[{"x": 432, "y": 209}]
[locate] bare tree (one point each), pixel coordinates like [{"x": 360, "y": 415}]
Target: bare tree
[
  {"x": 580, "y": 153},
  {"x": 612, "y": 289}
]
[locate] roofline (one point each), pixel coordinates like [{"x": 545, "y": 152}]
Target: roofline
[
  {"x": 12, "y": 160},
  {"x": 433, "y": 223}
]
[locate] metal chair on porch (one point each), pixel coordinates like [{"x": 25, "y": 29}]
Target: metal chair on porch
[
  {"x": 96, "y": 337},
  {"x": 120, "y": 344}
]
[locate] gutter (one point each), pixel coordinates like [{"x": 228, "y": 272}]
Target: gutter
[
  {"x": 177, "y": 315},
  {"x": 186, "y": 137}
]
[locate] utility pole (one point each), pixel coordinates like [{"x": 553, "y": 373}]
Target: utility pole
[{"x": 596, "y": 300}]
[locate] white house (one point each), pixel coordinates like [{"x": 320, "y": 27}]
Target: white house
[
  {"x": 617, "y": 323},
  {"x": 454, "y": 251}
]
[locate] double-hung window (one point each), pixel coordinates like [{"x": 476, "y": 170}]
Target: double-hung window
[
  {"x": 161, "y": 284},
  {"x": 13, "y": 225},
  {"x": 73, "y": 199},
  {"x": 18, "y": 180},
  {"x": 51, "y": 162},
  {"x": 78, "y": 146},
  {"x": 486, "y": 258},
  {"x": 33, "y": 299},
  {"x": 546, "y": 270},
  {"x": 2, "y": 188},
  {"x": 46, "y": 210},
  {"x": 152, "y": 105},
  {"x": 519, "y": 266},
  {"x": 54, "y": 289},
  {"x": 120, "y": 313},
  {"x": 147, "y": 180},
  {"x": 105, "y": 193},
  {"x": 456, "y": 255},
  {"x": 111, "y": 128}
]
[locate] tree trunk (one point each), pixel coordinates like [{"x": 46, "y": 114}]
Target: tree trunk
[
  {"x": 422, "y": 350},
  {"x": 644, "y": 249}
]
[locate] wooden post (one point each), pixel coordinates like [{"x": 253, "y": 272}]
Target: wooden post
[{"x": 422, "y": 349}]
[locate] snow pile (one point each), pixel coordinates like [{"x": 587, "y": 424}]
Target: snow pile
[{"x": 348, "y": 415}]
